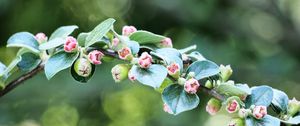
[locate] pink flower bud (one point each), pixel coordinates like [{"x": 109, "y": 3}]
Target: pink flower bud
[
  {"x": 213, "y": 106},
  {"x": 41, "y": 37},
  {"x": 125, "y": 53},
  {"x": 95, "y": 57},
  {"x": 167, "y": 109},
  {"x": 127, "y": 30},
  {"x": 232, "y": 106},
  {"x": 115, "y": 42},
  {"x": 70, "y": 44},
  {"x": 191, "y": 86},
  {"x": 166, "y": 43},
  {"x": 131, "y": 76},
  {"x": 145, "y": 60},
  {"x": 259, "y": 111},
  {"x": 174, "y": 70}
]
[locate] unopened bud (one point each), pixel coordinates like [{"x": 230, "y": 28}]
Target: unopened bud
[
  {"x": 208, "y": 84},
  {"x": 41, "y": 37},
  {"x": 83, "y": 67},
  {"x": 120, "y": 72},
  {"x": 174, "y": 70},
  {"x": 293, "y": 107},
  {"x": 71, "y": 44},
  {"x": 213, "y": 106},
  {"x": 165, "y": 43},
  {"x": 181, "y": 81},
  {"x": 226, "y": 72}
]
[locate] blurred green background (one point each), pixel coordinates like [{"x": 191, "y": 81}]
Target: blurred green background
[{"x": 259, "y": 38}]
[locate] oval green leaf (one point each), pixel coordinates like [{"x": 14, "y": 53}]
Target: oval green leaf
[
  {"x": 99, "y": 31},
  {"x": 24, "y": 39},
  {"x": 29, "y": 62},
  {"x": 203, "y": 69},
  {"x": 58, "y": 62},
  {"x": 178, "y": 100},
  {"x": 52, "y": 44},
  {"x": 153, "y": 76},
  {"x": 261, "y": 95},
  {"x": 280, "y": 100},
  {"x": 145, "y": 37},
  {"x": 63, "y": 32}
]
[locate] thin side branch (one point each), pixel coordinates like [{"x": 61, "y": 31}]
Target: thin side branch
[{"x": 13, "y": 84}]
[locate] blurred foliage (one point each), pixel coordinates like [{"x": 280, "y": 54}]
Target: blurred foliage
[{"x": 259, "y": 38}]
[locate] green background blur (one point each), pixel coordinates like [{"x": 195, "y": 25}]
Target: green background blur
[{"x": 259, "y": 38}]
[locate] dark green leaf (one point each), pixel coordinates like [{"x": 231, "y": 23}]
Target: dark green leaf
[
  {"x": 99, "y": 31},
  {"x": 52, "y": 44},
  {"x": 153, "y": 76},
  {"x": 280, "y": 100},
  {"x": 203, "y": 69},
  {"x": 63, "y": 32},
  {"x": 145, "y": 37},
  {"x": 178, "y": 100},
  {"x": 261, "y": 95},
  {"x": 24, "y": 39},
  {"x": 58, "y": 62},
  {"x": 29, "y": 62}
]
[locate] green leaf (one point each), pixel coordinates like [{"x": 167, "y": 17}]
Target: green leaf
[
  {"x": 280, "y": 100},
  {"x": 29, "y": 62},
  {"x": 81, "y": 38},
  {"x": 63, "y": 32},
  {"x": 196, "y": 56},
  {"x": 52, "y": 44},
  {"x": 134, "y": 46},
  {"x": 145, "y": 37},
  {"x": 164, "y": 84},
  {"x": 11, "y": 66},
  {"x": 153, "y": 76},
  {"x": 24, "y": 39},
  {"x": 293, "y": 120},
  {"x": 261, "y": 95},
  {"x": 203, "y": 69},
  {"x": 231, "y": 90},
  {"x": 23, "y": 51},
  {"x": 2, "y": 67},
  {"x": 266, "y": 121},
  {"x": 178, "y": 100},
  {"x": 99, "y": 31},
  {"x": 169, "y": 55},
  {"x": 244, "y": 87},
  {"x": 58, "y": 62},
  {"x": 3, "y": 76}
]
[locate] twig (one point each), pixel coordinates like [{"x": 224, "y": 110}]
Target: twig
[{"x": 13, "y": 84}]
